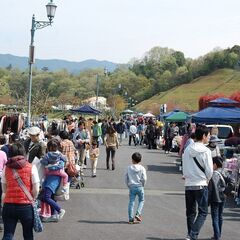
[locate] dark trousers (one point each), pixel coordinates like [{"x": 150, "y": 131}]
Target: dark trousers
[
  {"x": 11, "y": 214},
  {"x": 49, "y": 200},
  {"x": 130, "y": 139},
  {"x": 168, "y": 144},
  {"x": 112, "y": 151},
  {"x": 194, "y": 199},
  {"x": 150, "y": 143},
  {"x": 217, "y": 219}
]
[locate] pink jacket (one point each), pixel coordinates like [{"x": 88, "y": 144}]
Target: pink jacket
[{"x": 3, "y": 160}]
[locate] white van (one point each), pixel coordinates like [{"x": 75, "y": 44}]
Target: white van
[{"x": 224, "y": 132}]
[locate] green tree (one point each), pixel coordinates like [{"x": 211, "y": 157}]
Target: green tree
[{"x": 180, "y": 59}]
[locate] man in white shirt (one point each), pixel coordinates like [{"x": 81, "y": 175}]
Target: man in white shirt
[
  {"x": 197, "y": 171},
  {"x": 132, "y": 134}
]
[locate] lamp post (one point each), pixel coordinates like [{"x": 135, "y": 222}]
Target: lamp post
[
  {"x": 115, "y": 91},
  {"x": 51, "y": 8},
  {"x": 97, "y": 90}
]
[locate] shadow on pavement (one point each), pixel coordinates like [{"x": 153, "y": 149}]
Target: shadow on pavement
[
  {"x": 175, "y": 194},
  {"x": 231, "y": 216},
  {"x": 154, "y": 151},
  {"x": 103, "y": 222},
  {"x": 163, "y": 169},
  {"x": 171, "y": 163},
  {"x": 155, "y": 238}
]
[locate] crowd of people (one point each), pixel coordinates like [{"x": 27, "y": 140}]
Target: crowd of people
[{"x": 44, "y": 159}]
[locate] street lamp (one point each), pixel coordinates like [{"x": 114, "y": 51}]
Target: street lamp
[
  {"x": 51, "y": 8},
  {"x": 97, "y": 90}
]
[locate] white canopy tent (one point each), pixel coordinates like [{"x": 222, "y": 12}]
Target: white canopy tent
[{"x": 148, "y": 115}]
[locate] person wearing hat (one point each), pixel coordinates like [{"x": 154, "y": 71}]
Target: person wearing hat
[
  {"x": 33, "y": 146},
  {"x": 212, "y": 145}
]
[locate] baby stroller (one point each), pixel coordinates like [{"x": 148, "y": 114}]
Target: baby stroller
[{"x": 77, "y": 181}]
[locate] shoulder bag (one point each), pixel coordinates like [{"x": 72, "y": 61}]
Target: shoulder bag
[
  {"x": 198, "y": 164},
  {"x": 37, "y": 223}
]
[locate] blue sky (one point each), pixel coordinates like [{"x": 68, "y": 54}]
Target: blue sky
[{"x": 119, "y": 30}]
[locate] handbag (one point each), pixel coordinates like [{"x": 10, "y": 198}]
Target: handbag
[
  {"x": 37, "y": 223},
  {"x": 71, "y": 169}
]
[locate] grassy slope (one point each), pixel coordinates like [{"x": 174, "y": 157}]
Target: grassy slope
[{"x": 186, "y": 96}]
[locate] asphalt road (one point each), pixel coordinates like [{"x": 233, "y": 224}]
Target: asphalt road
[{"x": 99, "y": 211}]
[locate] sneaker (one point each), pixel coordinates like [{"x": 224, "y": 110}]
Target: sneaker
[
  {"x": 84, "y": 166},
  {"x": 53, "y": 218},
  {"x": 133, "y": 221},
  {"x": 61, "y": 213},
  {"x": 187, "y": 237},
  {"x": 1, "y": 227},
  {"x": 138, "y": 218},
  {"x": 94, "y": 175}
]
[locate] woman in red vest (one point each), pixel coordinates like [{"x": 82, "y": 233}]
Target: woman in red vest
[{"x": 16, "y": 205}]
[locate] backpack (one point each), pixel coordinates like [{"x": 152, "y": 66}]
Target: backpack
[{"x": 229, "y": 184}]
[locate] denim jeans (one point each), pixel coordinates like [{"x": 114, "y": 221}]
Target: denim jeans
[
  {"x": 194, "y": 199},
  {"x": 133, "y": 192},
  {"x": 216, "y": 213},
  {"x": 48, "y": 199},
  {"x": 112, "y": 151},
  {"x": 120, "y": 136},
  {"x": 11, "y": 214}
]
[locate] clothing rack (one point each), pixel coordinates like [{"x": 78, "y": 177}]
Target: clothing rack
[
  {"x": 232, "y": 168},
  {"x": 13, "y": 120}
]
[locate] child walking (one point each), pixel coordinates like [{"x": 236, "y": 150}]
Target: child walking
[
  {"x": 217, "y": 190},
  {"x": 135, "y": 179},
  {"x": 94, "y": 153}
]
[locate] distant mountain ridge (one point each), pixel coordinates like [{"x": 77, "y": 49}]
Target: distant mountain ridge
[{"x": 55, "y": 64}]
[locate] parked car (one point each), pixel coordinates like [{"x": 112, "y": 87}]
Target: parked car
[{"x": 224, "y": 132}]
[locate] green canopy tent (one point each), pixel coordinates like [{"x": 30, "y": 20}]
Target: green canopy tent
[{"x": 178, "y": 117}]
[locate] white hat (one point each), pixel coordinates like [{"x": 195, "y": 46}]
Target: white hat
[{"x": 33, "y": 130}]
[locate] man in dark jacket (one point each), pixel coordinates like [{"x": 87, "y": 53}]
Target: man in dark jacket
[
  {"x": 120, "y": 130},
  {"x": 33, "y": 146}
]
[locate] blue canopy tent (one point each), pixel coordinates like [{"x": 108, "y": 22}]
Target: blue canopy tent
[
  {"x": 86, "y": 109},
  {"x": 223, "y": 102},
  {"x": 220, "y": 115}
]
